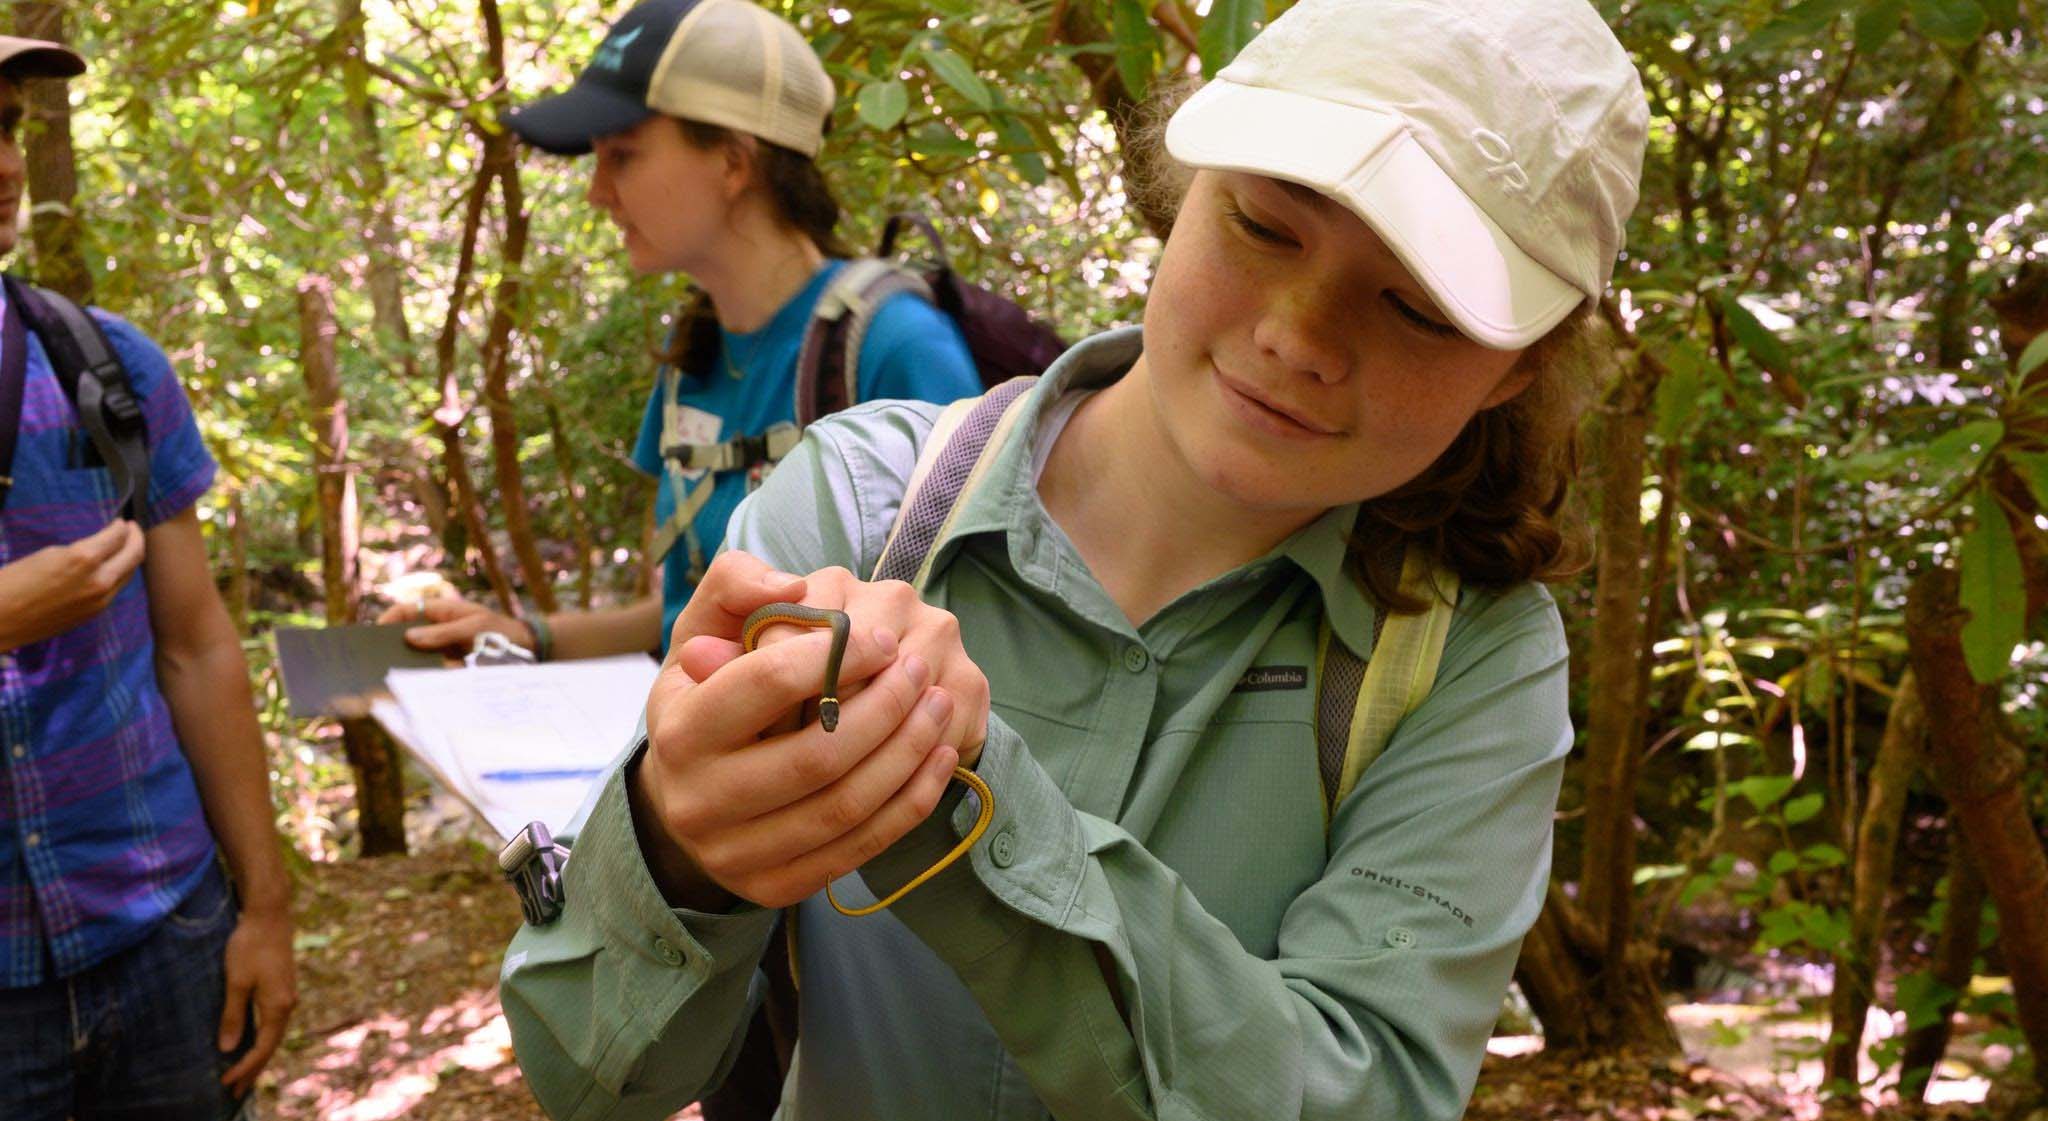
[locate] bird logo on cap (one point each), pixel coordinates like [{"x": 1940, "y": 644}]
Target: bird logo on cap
[{"x": 612, "y": 56}]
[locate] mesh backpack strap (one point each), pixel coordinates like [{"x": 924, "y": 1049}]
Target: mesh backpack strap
[
  {"x": 97, "y": 384},
  {"x": 955, "y": 456},
  {"x": 828, "y": 364},
  {"x": 1359, "y": 702}
]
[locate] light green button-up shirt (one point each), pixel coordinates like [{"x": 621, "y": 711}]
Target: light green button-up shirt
[{"x": 1158, "y": 808}]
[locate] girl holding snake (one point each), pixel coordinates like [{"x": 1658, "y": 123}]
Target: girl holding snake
[{"x": 1367, "y": 342}]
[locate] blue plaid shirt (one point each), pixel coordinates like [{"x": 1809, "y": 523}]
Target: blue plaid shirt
[{"x": 101, "y": 829}]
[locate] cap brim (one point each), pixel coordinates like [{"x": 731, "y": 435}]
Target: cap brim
[
  {"x": 36, "y": 58},
  {"x": 1367, "y": 160},
  {"x": 567, "y": 123}
]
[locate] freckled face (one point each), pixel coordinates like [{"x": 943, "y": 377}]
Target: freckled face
[
  {"x": 669, "y": 198},
  {"x": 1293, "y": 361}
]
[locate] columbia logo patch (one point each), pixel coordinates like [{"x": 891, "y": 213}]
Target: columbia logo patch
[
  {"x": 612, "y": 56},
  {"x": 1268, "y": 679}
]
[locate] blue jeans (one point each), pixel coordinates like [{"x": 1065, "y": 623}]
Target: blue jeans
[{"x": 132, "y": 1038}]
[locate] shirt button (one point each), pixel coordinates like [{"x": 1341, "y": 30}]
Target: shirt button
[
  {"x": 34, "y": 839},
  {"x": 21, "y": 751},
  {"x": 1400, "y": 937},
  {"x": 668, "y": 952},
  {"x": 1135, "y": 658},
  {"x": 1003, "y": 849}
]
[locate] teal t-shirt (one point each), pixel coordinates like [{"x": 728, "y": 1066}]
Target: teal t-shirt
[{"x": 912, "y": 351}]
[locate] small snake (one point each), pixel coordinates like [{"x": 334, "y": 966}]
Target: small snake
[{"x": 797, "y": 614}]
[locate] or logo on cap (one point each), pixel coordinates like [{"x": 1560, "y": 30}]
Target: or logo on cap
[
  {"x": 612, "y": 56},
  {"x": 1500, "y": 161}
]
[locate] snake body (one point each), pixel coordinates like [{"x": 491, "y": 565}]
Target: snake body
[{"x": 797, "y": 614}]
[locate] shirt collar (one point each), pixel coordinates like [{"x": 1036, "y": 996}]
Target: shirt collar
[{"x": 1007, "y": 500}]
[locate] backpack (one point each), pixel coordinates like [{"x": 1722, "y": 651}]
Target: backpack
[
  {"x": 1359, "y": 702},
  {"x": 1003, "y": 338},
  {"x": 93, "y": 379}
]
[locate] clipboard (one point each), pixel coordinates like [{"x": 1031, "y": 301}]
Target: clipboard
[{"x": 336, "y": 671}]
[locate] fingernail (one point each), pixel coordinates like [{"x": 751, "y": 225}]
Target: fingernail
[
  {"x": 885, "y": 641},
  {"x": 917, "y": 669},
  {"x": 782, "y": 578},
  {"x": 938, "y": 704}
]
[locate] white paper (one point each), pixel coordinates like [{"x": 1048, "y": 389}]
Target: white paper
[{"x": 520, "y": 743}]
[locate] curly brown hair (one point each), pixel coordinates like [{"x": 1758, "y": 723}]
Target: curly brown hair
[{"x": 1496, "y": 507}]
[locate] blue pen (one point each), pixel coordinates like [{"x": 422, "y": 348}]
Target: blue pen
[{"x": 540, "y": 776}]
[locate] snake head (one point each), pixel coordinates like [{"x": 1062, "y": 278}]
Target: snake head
[{"x": 828, "y": 713}]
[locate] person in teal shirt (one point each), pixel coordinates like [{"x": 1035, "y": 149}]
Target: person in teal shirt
[
  {"x": 705, "y": 117},
  {"x": 1370, "y": 338}
]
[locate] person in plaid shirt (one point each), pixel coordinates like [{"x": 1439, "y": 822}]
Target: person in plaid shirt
[{"x": 136, "y": 980}]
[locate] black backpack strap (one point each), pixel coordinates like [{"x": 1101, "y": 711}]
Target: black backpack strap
[
  {"x": 13, "y": 389},
  {"x": 92, "y": 376},
  {"x": 828, "y": 365}
]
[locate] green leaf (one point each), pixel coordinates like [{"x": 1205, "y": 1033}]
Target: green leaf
[
  {"x": 1137, "y": 46},
  {"x": 937, "y": 142},
  {"x": 1921, "y": 997},
  {"x": 1767, "y": 349},
  {"x": 956, "y": 73},
  {"x": 1803, "y": 808},
  {"x": 1801, "y": 24},
  {"x": 1993, "y": 591},
  {"x": 2033, "y": 467},
  {"x": 1678, "y": 394},
  {"x": 2004, "y": 13},
  {"x": 882, "y": 104},
  {"x": 1022, "y": 148},
  {"x": 1783, "y": 861},
  {"x": 1231, "y": 24},
  {"x": 1876, "y": 24},
  {"x": 1763, "y": 791},
  {"x": 1953, "y": 23},
  {"x": 2036, "y": 353},
  {"x": 1824, "y": 855},
  {"x": 1962, "y": 449}
]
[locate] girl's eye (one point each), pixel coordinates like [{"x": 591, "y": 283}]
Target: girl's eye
[
  {"x": 1420, "y": 321},
  {"x": 1258, "y": 232}
]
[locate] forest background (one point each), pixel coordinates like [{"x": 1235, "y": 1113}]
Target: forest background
[{"x": 1803, "y": 829}]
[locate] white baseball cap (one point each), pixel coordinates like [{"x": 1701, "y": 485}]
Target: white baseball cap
[
  {"x": 1495, "y": 145},
  {"x": 722, "y": 62}
]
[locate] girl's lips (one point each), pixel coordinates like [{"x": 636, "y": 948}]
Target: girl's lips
[{"x": 1268, "y": 415}]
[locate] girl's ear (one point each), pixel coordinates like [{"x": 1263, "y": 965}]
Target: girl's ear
[{"x": 739, "y": 154}]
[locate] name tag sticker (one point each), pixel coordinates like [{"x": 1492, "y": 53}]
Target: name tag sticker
[
  {"x": 1269, "y": 679},
  {"x": 695, "y": 426}
]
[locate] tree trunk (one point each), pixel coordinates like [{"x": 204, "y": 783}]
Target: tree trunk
[
  {"x": 383, "y": 268},
  {"x": 1615, "y": 710},
  {"x": 1559, "y": 972},
  {"x": 1877, "y": 842},
  {"x": 1979, "y": 769},
  {"x": 503, "y": 157},
  {"x": 380, "y": 789},
  {"x": 236, "y": 595},
  {"x": 55, "y": 231},
  {"x": 1953, "y": 964},
  {"x": 1580, "y": 967},
  {"x": 466, "y": 526}
]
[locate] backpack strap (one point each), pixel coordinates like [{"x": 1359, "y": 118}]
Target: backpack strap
[
  {"x": 1360, "y": 702},
  {"x": 828, "y": 365},
  {"x": 13, "y": 391},
  {"x": 92, "y": 376},
  {"x": 955, "y": 457}
]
